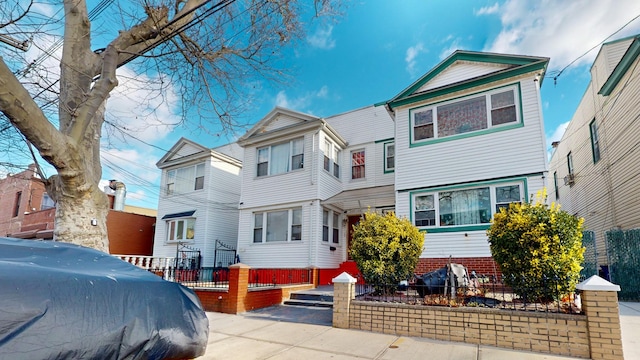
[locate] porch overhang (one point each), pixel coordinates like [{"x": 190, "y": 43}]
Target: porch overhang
[{"x": 359, "y": 200}]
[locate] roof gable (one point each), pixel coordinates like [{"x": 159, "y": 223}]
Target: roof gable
[
  {"x": 276, "y": 121},
  {"x": 463, "y": 69},
  {"x": 181, "y": 149},
  {"x": 629, "y": 57}
]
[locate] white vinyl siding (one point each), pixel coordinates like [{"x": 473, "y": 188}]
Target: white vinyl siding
[
  {"x": 496, "y": 154},
  {"x": 461, "y": 71}
]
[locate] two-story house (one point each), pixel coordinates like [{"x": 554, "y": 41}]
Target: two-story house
[
  {"x": 458, "y": 144},
  {"x": 198, "y": 205},
  {"x": 305, "y": 179},
  {"x": 595, "y": 166}
]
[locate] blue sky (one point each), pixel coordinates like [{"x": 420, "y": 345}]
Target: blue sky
[{"x": 377, "y": 48}]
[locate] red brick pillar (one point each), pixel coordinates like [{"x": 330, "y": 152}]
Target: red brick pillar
[
  {"x": 600, "y": 305},
  {"x": 315, "y": 276},
  {"x": 238, "y": 287}
]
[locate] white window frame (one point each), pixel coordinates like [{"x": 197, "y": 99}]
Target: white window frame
[
  {"x": 436, "y": 203},
  {"x": 330, "y": 226},
  {"x": 197, "y": 182},
  {"x": 331, "y": 158},
  {"x": 488, "y": 108},
  {"x": 173, "y": 233},
  {"x": 387, "y": 146},
  {"x": 263, "y": 227},
  {"x": 363, "y": 165},
  {"x": 292, "y": 164},
  {"x": 595, "y": 141}
]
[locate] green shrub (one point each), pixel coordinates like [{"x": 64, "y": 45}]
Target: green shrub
[
  {"x": 538, "y": 249},
  {"x": 386, "y": 248}
]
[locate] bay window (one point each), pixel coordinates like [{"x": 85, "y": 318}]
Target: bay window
[
  {"x": 281, "y": 158},
  {"x": 459, "y": 116},
  {"x": 181, "y": 229},
  {"x": 277, "y": 226},
  {"x": 466, "y": 206}
]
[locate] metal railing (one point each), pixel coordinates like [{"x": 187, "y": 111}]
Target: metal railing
[
  {"x": 276, "y": 277},
  {"x": 483, "y": 291}
]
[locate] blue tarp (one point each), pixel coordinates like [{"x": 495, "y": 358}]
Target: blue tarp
[{"x": 63, "y": 301}]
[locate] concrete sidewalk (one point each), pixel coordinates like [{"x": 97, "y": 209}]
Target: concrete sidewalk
[{"x": 248, "y": 336}]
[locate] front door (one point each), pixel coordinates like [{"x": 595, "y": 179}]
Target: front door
[{"x": 353, "y": 220}]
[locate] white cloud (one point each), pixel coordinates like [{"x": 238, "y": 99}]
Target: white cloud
[
  {"x": 562, "y": 30},
  {"x": 137, "y": 105},
  {"x": 302, "y": 102},
  {"x": 487, "y": 10},
  {"x": 455, "y": 45},
  {"x": 557, "y": 133},
  {"x": 322, "y": 39},
  {"x": 411, "y": 55}
]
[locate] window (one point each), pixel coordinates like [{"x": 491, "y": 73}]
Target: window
[
  {"x": 47, "y": 202},
  {"x": 425, "y": 211},
  {"x": 281, "y": 158},
  {"x": 332, "y": 157},
  {"x": 555, "y": 184},
  {"x": 357, "y": 164},
  {"x": 181, "y": 229},
  {"x": 506, "y": 195},
  {"x": 595, "y": 143},
  {"x": 389, "y": 157},
  {"x": 570, "y": 163},
  {"x": 185, "y": 179},
  {"x": 330, "y": 220},
  {"x": 327, "y": 155},
  {"x": 16, "y": 204},
  {"x": 472, "y": 206},
  {"x": 277, "y": 226},
  {"x": 336, "y": 230},
  {"x": 325, "y": 225},
  {"x": 460, "y": 116}
]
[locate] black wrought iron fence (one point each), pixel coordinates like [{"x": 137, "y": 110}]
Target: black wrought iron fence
[{"x": 480, "y": 291}]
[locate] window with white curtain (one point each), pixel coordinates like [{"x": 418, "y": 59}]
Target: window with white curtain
[
  {"x": 280, "y": 158},
  {"x": 465, "y": 206},
  {"x": 185, "y": 179}
]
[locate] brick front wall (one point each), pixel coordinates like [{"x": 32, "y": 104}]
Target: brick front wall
[
  {"x": 560, "y": 334},
  {"x": 481, "y": 265}
]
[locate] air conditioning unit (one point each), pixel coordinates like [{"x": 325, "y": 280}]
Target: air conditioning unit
[{"x": 569, "y": 179}]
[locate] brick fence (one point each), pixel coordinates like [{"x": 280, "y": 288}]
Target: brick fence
[
  {"x": 594, "y": 335},
  {"x": 238, "y": 297}
]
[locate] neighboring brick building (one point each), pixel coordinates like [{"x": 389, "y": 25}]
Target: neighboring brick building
[
  {"x": 21, "y": 194},
  {"x": 27, "y": 212}
]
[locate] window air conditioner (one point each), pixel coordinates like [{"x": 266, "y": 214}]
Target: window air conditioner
[{"x": 569, "y": 179}]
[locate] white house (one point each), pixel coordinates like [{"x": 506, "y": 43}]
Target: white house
[
  {"x": 469, "y": 139},
  {"x": 198, "y": 204},
  {"x": 464, "y": 140},
  {"x": 595, "y": 166},
  {"x": 303, "y": 180}
]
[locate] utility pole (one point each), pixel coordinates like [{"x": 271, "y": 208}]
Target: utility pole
[{"x": 24, "y": 45}]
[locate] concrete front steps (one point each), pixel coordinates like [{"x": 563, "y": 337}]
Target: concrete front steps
[{"x": 321, "y": 296}]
